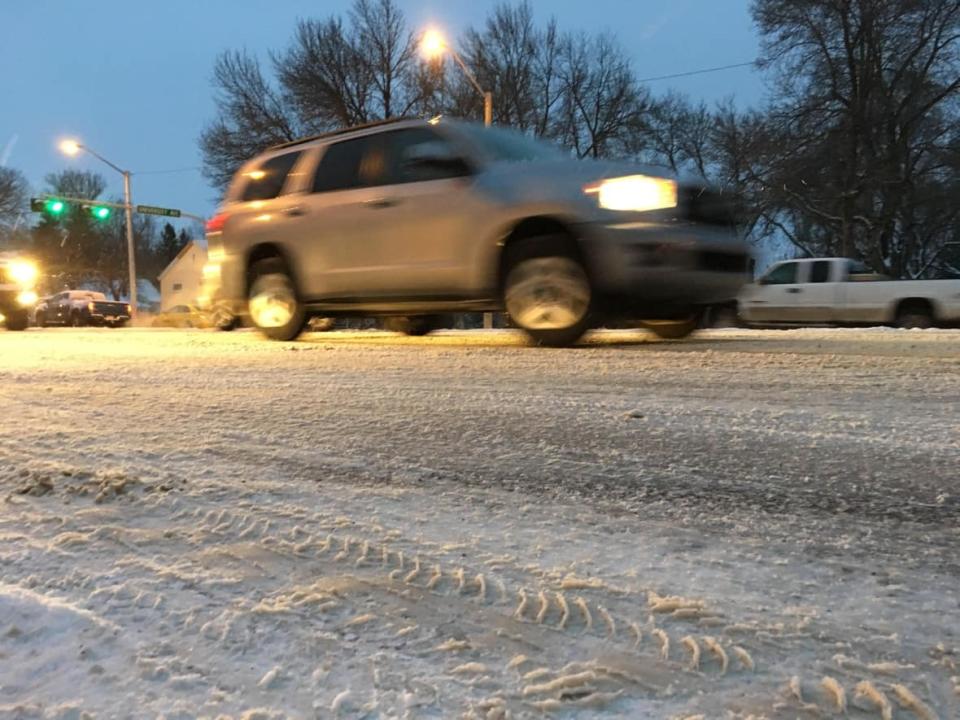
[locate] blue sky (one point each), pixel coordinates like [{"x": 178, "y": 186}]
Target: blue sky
[{"x": 132, "y": 78}]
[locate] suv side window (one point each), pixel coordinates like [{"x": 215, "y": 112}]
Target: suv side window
[
  {"x": 785, "y": 274},
  {"x": 820, "y": 271},
  {"x": 349, "y": 164},
  {"x": 266, "y": 182},
  {"x": 404, "y": 145}
]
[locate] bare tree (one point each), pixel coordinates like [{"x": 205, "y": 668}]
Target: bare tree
[
  {"x": 601, "y": 102},
  {"x": 519, "y": 63},
  {"x": 14, "y": 191},
  {"x": 252, "y": 116},
  {"x": 866, "y": 108},
  {"x": 334, "y": 73}
]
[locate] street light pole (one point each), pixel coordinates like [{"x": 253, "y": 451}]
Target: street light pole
[
  {"x": 433, "y": 44},
  {"x": 72, "y": 147},
  {"x": 131, "y": 250}
]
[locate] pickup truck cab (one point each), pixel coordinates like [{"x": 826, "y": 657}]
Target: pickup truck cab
[{"x": 840, "y": 291}]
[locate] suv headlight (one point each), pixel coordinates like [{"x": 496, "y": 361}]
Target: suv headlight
[
  {"x": 634, "y": 193},
  {"x": 22, "y": 272}
]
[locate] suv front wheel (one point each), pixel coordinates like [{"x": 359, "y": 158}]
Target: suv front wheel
[
  {"x": 547, "y": 292},
  {"x": 274, "y": 305}
]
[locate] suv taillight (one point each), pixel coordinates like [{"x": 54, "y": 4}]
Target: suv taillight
[{"x": 215, "y": 224}]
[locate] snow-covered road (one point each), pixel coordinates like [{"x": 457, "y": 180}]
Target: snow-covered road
[{"x": 202, "y": 524}]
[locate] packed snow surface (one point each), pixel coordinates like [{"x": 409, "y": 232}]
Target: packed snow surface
[{"x": 362, "y": 525}]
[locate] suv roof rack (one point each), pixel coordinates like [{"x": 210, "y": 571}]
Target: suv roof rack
[{"x": 342, "y": 131}]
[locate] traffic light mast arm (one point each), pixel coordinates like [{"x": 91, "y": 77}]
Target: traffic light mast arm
[{"x": 88, "y": 201}]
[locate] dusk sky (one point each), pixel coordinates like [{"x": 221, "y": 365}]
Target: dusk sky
[{"x": 132, "y": 79}]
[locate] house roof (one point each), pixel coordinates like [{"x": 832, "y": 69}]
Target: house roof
[{"x": 183, "y": 251}]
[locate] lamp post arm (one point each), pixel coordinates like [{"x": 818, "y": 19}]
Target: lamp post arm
[
  {"x": 466, "y": 70},
  {"x": 102, "y": 159}
]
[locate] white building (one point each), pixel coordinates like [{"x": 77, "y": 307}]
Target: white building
[{"x": 180, "y": 281}]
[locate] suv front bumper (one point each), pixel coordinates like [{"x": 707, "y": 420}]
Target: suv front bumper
[{"x": 664, "y": 268}]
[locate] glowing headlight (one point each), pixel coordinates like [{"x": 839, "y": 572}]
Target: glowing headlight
[
  {"x": 27, "y": 297},
  {"x": 635, "y": 193},
  {"x": 22, "y": 272}
]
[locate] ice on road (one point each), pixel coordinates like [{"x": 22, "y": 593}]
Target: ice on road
[{"x": 362, "y": 525}]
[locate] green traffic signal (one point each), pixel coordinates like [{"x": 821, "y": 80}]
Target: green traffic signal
[
  {"x": 54, "y": 207},
  {"x": 100, "y": 212}
]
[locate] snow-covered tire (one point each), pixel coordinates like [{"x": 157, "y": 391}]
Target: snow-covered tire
[
  {"x": 416, "y": 326},
  {"x": 321, "y": 324},
  {"x": 222, "y": 319},
  {"x": 672, "y": 329},
  {"x": 273, "y": 301},
  {"x": 546, "y": 291}
]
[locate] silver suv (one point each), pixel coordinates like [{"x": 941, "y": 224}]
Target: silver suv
[{"x": 410, "y": 219}]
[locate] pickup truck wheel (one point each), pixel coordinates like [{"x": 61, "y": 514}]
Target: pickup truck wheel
[
  {"x": 275, "y": 306},
  {"x": 76, "y": 319},
  {"x": 547, "y": 292},
  {"x": 672, "y": 329},
  {"x": 914, "y": 315},
  {"x": 17, "y": 320}
]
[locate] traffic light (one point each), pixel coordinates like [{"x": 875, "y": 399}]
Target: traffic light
[{"x": 54, "y": 207}]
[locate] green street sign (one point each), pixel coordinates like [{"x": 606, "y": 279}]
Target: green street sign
[{"x": 151, "y": 210}]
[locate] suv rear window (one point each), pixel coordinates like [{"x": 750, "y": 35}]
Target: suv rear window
[
  {"x": 345, "y": 165},
  {"x": 266, "y": 181}
]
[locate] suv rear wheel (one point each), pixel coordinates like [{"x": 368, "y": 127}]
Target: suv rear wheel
[
  {"x": 547, "y": 292},
  {"x": 273, "y": 302}
]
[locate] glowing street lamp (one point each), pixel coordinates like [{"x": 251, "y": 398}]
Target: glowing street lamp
[
  {"x": 72, "y": 148},
  {"x": 433, "y": 45},
  {"x": 69, "y": 147}
]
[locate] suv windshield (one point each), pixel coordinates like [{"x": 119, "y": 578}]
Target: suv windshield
[{"x": 510, "y": 145}]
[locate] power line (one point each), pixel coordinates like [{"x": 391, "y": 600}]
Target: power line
[{"x": 753, "y": 63}]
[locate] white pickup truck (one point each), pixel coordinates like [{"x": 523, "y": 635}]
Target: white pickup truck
[{"x": 839, "y": 291}]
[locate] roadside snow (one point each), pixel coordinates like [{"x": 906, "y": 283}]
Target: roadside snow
[{"x": 199, "y": 524}]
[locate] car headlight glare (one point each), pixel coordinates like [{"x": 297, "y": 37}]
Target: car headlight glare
[
  {"x": 27, "y": 297},
  {"x": 635, "y": 193},
  {"x": 22, "y": 272}
]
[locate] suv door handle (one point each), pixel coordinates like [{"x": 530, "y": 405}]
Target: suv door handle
[
  {"x": 295, "y": 210},
  {"x": 381, "y": 203}
]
